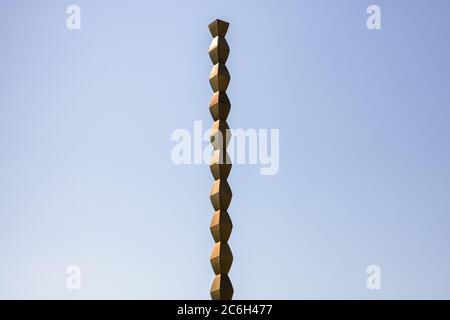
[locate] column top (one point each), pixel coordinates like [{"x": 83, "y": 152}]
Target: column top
[{"x": 218, "y": 28}]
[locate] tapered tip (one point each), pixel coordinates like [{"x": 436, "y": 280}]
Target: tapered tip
[{"x": 218, "y": 28}]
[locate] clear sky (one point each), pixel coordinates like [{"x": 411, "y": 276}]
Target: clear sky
[{"x": 86, "y": 176}]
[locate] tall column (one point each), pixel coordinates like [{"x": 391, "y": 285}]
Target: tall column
[{"x": 219, "y": 107}]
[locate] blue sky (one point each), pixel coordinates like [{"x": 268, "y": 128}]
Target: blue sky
[{"x": 86, "y": 176}]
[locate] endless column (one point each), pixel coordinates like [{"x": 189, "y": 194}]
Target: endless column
[{"x": 219, "y": 106}]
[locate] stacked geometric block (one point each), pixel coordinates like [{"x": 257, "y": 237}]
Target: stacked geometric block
[{"x": 220, "y": 196}]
